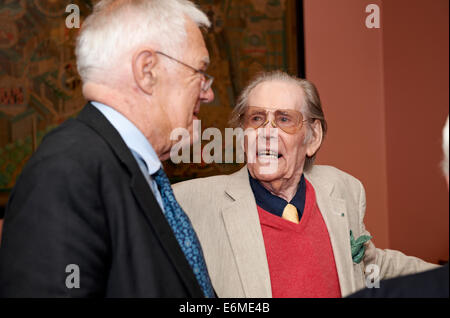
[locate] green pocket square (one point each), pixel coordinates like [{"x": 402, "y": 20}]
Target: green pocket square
[{"x": 357, "y": 246}]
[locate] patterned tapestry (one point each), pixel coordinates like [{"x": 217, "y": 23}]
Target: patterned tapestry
[{"x": 40, "y": 87}]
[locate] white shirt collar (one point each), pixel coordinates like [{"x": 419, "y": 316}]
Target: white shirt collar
[{"x": 132, "y": 136}]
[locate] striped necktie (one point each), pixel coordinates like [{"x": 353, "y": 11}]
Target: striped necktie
[{"x": 184, "y": 233}]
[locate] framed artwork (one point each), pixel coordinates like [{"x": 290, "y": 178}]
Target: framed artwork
[{"x": 40, "y": 87}]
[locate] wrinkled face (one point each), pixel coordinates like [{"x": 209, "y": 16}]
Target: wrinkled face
[
  {"x": 292, "y": 150},
  {"x": 179, "y": 92}
]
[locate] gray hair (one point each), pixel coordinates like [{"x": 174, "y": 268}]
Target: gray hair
[
  {"x": 117, "y": 27},
  {"x": 445, "y": 148},
  {"x": 311, "y": 108}
]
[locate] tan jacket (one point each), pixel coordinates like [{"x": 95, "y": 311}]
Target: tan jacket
[{"x": 223, "y": 212}]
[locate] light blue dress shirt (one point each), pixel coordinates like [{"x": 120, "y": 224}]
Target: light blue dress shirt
[{"x": 139, "y": 146}]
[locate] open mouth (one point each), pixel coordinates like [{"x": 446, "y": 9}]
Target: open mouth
[{"x": 269, "y": 154}]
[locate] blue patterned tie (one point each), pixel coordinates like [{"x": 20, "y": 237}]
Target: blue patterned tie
[{"x": 184, "y": 233}]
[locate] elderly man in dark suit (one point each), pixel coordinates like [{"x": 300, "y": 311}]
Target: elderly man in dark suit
[{"x": 93, "y": 213}]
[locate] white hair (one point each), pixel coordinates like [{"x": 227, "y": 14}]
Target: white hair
[
  {"x": 445, "y": 148},
  {"x": 116, "y": 27}
]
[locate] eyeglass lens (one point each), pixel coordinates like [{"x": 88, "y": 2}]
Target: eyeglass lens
[{"x": 288, "y": 120}]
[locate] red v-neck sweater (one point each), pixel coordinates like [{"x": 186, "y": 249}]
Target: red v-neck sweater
[{"x": 300, "y": 256}]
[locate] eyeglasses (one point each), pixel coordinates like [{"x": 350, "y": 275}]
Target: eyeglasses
[
  {"x": 288, "y": 120},
  {"x": 207, "y": 79}
]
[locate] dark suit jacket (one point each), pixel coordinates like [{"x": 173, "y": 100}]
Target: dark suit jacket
[
  {"x": 429, "y": 284},
  {"x": 82, "y": 199}
]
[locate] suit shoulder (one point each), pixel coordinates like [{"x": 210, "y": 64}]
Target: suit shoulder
[
  {"x": 334, "y": 175},
  {"x": 72, "y": 140},
  {"x": 201, "y": 185},
  {"x": 72, "y": 147}
]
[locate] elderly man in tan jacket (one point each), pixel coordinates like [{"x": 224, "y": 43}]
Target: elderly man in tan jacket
[{"x": 295, "y": 230}]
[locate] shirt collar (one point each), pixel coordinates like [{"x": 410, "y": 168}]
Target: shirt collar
[
  {"x": 274, "y": 204},
  {"x": 132, "y": 136}
]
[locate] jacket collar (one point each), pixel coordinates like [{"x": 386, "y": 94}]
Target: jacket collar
[
  {"x": 334, "y": 213},
  {"x": 244, "y": 231}
]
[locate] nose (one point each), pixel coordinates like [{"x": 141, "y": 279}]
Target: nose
[
  {"x": 269, "y": 124},
  {"x": 269, "y": 130},
  {"x": 207, "y": 96}
]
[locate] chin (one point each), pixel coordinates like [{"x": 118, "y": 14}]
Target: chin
[
  {"x": 265, "y": 172},
  {"x": 267, "y": 177}
]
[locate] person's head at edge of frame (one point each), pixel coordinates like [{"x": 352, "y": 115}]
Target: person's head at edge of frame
[
  {"x": 147, "y": 59},
  {"x": 291, "y": 105},
  {"x": 445, "y": 137}
]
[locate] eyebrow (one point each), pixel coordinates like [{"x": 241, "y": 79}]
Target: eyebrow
[
  {"x": 258, "y": 112},
  {"x": 205, "y": 62}
]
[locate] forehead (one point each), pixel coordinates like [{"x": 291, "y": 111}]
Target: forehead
[
  {"x": 196, "y": 51},
  {"x": 277, "y": 95}
]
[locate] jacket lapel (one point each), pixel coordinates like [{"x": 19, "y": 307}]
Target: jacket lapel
[
  {"x": 334, "y": 213},
  {"x": 141, "y": 190},
  {"x": 244, "y": 233}
]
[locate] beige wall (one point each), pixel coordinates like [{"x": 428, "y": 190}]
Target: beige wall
[{"x": 385, "y": 94}]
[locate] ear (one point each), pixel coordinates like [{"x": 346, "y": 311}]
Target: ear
[
  {"x": 144, "y": 62},
  {"x": 316, "y": 139}
]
